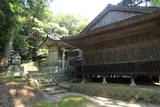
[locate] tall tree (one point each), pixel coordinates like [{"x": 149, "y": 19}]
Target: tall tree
[
  {"x": 20, "y": 18},
  {"x": 73, "y": 23},
  {"x": 145, "y": 3},
  {"x": 8, "y": 27},
  {"x": 156, "y": 3},
  {"x": 25, "y": 23}
]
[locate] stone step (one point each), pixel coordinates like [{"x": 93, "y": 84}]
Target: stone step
[
  {"x": 53, "y": 88},
  {"x": 39, "y": 71},
  {"x": 40, "y": 78},
  {"x": 53, "y": 92},
  {"x": 47, "y": 85},
  {"x": 38, "y": 75},
  {"x": 46, "y": 82}
]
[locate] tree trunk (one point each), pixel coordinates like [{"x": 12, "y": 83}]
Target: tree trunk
[{"x": 6, "y": 51}]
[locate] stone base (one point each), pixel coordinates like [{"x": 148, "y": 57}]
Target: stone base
[
  {"x": 132, "y": 81},
  {"x": 84, "y": 80},
  {"x": 16, "y": 71},
  {"x": 104, "y": 80}
]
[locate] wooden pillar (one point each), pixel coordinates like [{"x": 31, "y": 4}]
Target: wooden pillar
[
  {"x": 83, "y": 61},
  {"x": 159, "y": 79},
  {"x": 132, "y": 81},
  {"x": 63, "y": 58}
]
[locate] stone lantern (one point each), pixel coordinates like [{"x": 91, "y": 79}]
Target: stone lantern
[
  {"x": 15, "y": 59},
  {"x": 14, "y": 68}
]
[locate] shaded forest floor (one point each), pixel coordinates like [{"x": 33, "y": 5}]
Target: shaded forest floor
[{"x": 18, "y": 94}]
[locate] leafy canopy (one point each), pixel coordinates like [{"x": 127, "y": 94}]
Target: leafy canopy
[{"x": 146, "y": 3}]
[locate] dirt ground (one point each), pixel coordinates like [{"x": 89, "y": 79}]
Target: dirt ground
[
  {"x": 21, "y": 94},
  {"x": 18, "y": 94}
]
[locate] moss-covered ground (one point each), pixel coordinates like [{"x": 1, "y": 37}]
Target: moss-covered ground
[
  {"x": 12, "y": 79},
  {"x": 142, "y": 94}
]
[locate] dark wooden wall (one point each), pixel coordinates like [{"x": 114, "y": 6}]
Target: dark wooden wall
[{"x": 131, "y": 51}]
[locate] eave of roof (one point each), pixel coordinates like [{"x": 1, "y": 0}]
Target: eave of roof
[
  {"x": 142, "y": 10},
  {"x": 49, "y": 37},
  {"x": 125, "y": 22},
  {"x": 55, "y": 39}
]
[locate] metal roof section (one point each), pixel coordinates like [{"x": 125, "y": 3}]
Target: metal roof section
[
  {"x": 74, "y": 50},
  {"x": 53, "y": 37},
  {"x": 77, "y": 59}
]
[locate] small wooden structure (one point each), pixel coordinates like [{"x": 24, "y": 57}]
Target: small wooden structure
[
  {"x": 59, "y": 55},
  {"x": 121, "y": 41}
]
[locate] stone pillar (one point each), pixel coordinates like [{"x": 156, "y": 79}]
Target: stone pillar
[
  {"x": 132, "y": 81},
  {"x": 83, "y": 79},
  {"x": 104, "y": 80}
]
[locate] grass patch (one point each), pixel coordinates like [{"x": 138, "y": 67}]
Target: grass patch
[
  {"x": 142, "y": 94},
  {"x": 12, "y": 79},
  {"x": 44, "y": 104},
  {"x": 74, "y": 101}
]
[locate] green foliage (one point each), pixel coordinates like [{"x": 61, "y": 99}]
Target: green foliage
[
  {"x": 22, "y": 19},
  {"x": 21, "y": 45},
  {"x": 42, "y": 52},
  {"x": 2, "y": 39},
  {"x": 29, "y": 21},
  {"x": 9, "y": 24},
  {"x": 156, "y": 3},
  {"x": 126, "y": 3},
  {"x": 73, "y": 23},
  {"x": 55, "y": 28},
  {"x": 7, "y": 17},
  {"x": 146, "y": 3},
  {"x": 81, "y": 26}
]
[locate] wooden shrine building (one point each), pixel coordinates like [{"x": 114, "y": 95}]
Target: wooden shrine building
[
  {"x": 121, "y": 40},
  {"x": 59, "y": 56}
]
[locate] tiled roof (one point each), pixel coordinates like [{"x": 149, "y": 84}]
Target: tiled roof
[{"x": 113, "y": 14}]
